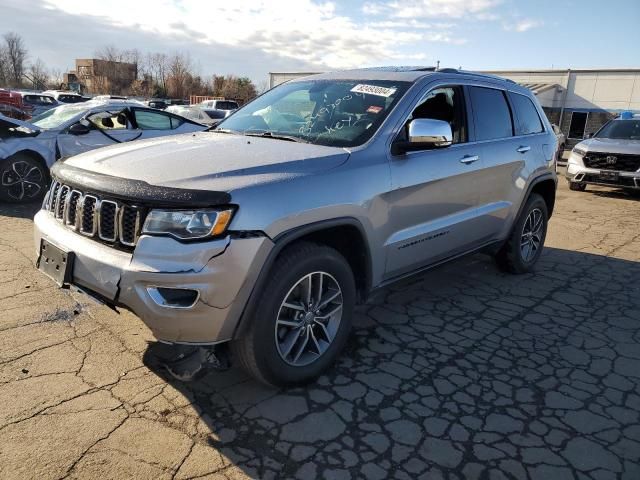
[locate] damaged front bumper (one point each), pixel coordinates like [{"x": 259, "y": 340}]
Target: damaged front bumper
[{"x": 221, "y": 273}]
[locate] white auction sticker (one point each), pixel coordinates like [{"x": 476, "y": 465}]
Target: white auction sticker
[{"x": 373, "y": 90}]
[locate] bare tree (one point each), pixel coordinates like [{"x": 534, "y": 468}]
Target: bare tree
[
  {"x": 15, "y": 54},
  {"x": 38, "y": 75},
  {"x": 180, "y": 68}
]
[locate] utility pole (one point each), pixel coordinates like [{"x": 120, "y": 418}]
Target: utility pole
[{"x": 437, "y": 64}]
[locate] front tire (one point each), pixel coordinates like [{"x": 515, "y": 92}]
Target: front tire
[
  {"x": 302, "y": 319},
  {"x": 524, "y": 246},
  {"x": 22, "y": 179}
]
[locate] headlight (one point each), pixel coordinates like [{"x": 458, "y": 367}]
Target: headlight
[
  {"x": 580, "y": 153},
  {"x": 187, "y": 224}
]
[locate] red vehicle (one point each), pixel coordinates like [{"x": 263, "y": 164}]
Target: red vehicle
[
  {"x": 11, "y": 105},
  {"x": 11, "y": 98}
]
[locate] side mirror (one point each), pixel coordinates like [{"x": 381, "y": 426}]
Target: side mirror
[
  {"x": 79, "y": 129},
  {"x": 425, "y": 133},
  {"x": 589, "y": 135}
]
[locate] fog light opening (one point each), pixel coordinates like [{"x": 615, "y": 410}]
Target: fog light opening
[
  {"x": 173, "y": 297},
  {"x": 579, "y": 177}
]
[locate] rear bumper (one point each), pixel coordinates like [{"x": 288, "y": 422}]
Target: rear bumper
[{"x": 223, "y": 272}]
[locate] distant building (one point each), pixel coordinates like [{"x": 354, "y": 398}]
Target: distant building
[
  {"x": 579, "y": 101},
  {"x": 93, "y": 75}
]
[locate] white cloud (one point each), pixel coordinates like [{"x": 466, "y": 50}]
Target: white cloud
[
  {"x": 522, "y": 25},
  {"x": 430, "y": 8},
  {"x": 298, "y": 29}
]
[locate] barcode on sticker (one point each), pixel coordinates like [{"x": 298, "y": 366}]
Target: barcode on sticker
[{"x": 373, "y": 90}]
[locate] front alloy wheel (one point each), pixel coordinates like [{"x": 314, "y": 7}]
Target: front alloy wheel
[
  {"x": 22, "y": 179},
  {"x": 301, "y": 318},
  {"x": 308, "y": 319}
]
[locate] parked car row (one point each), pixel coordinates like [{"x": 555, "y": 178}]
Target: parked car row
[{"x": 29, "y": 149}]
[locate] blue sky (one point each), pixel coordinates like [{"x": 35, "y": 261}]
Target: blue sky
[{"x": 253, "y": 37}]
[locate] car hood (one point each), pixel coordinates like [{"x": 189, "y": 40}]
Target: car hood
[
  {"x": 21, "y": 123},
  {"x": 210, "y": 161},
  {"x": 610, "y": 145}
]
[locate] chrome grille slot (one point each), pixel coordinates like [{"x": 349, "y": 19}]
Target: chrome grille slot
[
  {"x": 129, "y": 225},
  {"x": 60, "y": 201},
  {"x": 71, "y": 208},
  {"x": 53, "y": 192},
  {"x": 87, "y": 220},
  {"x": 107, "y": 224},
  {"x": 106, "y": 220}
]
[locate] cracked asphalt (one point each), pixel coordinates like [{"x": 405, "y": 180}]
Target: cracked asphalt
[{"x": 461, "y": 373}]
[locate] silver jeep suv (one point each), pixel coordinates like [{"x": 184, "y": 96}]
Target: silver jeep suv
[{"x": 264, "y": 233}]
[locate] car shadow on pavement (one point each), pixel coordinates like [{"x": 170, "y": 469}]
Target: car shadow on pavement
[
  {"x": 19, "y": 210},
  {"x": 462, "y": 371}
]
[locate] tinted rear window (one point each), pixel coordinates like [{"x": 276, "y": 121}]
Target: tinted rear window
[
  {"x": 226, "y": 105},
  {"x": 492, "y": 114},
  {"x": 528, "y": 118}
]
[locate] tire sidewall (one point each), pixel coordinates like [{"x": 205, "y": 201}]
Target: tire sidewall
[
  {"x": 6, "y": 165},
  {"x": 273, "y": 367}
]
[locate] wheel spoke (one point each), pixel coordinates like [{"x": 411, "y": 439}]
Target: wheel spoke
[
  {"x": 293, "y": 306},
  {"x": 9, "y": 180},
  {"x": 329, "y": 297},
  {"x": 315, "y": 341},
  {"x": 290, "y": 341},
  {"x": 330, "y": 314},
  {"x": 303, "y": 345},
  {"x": 318, "y": 296},
  {"x": 290, "y": 323},
  {"x": 323, "y": 327},
  {"x": 308, "y": 290}
]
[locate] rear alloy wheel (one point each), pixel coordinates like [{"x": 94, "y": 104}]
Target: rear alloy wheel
[
  {"x": 302, "y": 318},
  {"x": 524, "y": 246},
  {"x": 22, "y": 179}
]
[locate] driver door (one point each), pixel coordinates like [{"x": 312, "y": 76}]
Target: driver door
[
  {"x": 433, "y": 201},
  {"x": 105, "y": 128}
]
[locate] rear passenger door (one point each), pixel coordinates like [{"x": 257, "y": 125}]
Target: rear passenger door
[{"x": 501, "y": 183}]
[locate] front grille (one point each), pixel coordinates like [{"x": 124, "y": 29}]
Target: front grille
[
  {"x": 612, "y": 161},
  {"x": 104, "y": 219}
]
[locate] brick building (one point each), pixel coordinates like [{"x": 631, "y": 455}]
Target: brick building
[{"x": 92, "y": 75}]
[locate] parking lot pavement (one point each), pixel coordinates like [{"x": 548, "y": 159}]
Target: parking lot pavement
[{"x": 463, "y": 372}]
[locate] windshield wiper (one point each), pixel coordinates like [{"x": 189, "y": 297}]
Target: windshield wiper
[{"x": 277, "y": 136}]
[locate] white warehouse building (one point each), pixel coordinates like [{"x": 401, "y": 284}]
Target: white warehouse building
[{"x": 579, "y": 101}]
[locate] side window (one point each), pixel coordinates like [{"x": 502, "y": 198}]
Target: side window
[
  {"x": 528, "y": 118},
  {"x": 109, "y": 120},
  {"x": 176, "y": 122},
  {"x": 446, "y": 104},
  {"x": 152, "y": 120},
  {"x": 492, "y": 114}
]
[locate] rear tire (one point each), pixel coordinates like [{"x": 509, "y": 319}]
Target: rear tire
[
  {"x": 577, "y": 187},
  {"x": 524, "y": 246},
  {"x": 289, "y": 342},
  {"x": 23, "y": 179}
]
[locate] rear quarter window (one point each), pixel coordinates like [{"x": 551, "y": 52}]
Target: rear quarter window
[
  {"x": 492, "y": 114},
  {"x": 528, "y": 119}
]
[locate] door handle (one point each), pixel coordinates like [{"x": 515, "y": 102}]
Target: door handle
[
  {"x": 523, "y": 149},
  {"x": 469, "y": 159}
]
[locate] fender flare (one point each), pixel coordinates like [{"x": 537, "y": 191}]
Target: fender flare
[{"x": 284, "y": 239}]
